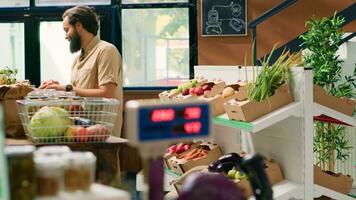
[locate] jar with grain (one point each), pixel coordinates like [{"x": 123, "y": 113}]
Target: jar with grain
[{"x": 79, "y": 171}]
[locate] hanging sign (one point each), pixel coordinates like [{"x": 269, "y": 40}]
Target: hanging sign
[{"x": 224, "y": 17}]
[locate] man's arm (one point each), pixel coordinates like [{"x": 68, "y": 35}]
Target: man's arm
[{"x": 106, "y": 90}]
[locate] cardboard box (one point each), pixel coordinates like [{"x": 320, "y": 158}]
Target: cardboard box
[
  {"x": 337, "y": 182},
  {"x": 167, "y": 95},
  {"x": 216, "y": 104},
  {"x": 216, "y": 89},
  {"x": 167, "y": 156},
  {"x": 273, "y": 172},
  {"x": 179, "y": 182},
  {"x": 343, "y": 105},
  {"x": 241, "y": 89},
  {"x": 180, "y": 166},
  {"x": 251, "y": 110}
]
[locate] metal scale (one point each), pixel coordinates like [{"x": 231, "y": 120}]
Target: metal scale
[{"x": 152, "y": 125}]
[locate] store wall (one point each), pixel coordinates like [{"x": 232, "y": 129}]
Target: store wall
[{"x": 280, "y": 29}]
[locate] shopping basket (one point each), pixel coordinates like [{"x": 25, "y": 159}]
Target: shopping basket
[{"x": 67, "y": 119}]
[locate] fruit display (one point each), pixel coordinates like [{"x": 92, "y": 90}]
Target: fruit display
[
  {"x": 206, "y": 90},
  {"x": 182, "y": 88},
  {"x": 216, "y": 92}
]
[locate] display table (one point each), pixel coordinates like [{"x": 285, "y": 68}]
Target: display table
[
  {"x": 107, "y": 154},
  {"x": 97, "y": 192}
]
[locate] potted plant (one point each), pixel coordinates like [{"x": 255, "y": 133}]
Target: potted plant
[{"x": 322, "y": 43}]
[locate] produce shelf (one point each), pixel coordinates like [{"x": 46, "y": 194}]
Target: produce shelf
[
  {"x": 285, "y": 190},
  {"x": 325, "y": 114},
  {"x": 292, "y": 109},
  {"x": 320, "y": 190}
]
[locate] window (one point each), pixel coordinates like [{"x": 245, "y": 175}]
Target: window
[
  {"x": 14, "y": 3},
  {"x": 12, "y": 47},
  {"x": 155, "y": 50},
  {"x": 156, "y": 39},
  {"x": 71, "y": 2},
  {"x": 56, "y": 59}
]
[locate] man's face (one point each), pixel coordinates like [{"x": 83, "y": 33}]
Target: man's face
[{"x": 72, "y": 36}]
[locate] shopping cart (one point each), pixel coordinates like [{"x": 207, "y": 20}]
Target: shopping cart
[{"x": 67, "y": 119}]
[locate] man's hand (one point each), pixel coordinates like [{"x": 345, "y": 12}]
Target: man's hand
[
  {"x": 46, "y": 84},
  {"x": 56, "y": 87}
]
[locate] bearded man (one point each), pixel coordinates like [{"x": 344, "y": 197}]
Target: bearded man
[{"x": 97, "y": 70}]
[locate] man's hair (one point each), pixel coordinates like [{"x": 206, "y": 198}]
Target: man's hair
[{"x": 85, "y": 15}]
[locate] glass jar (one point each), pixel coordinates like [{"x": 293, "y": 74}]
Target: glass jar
[
  {"x": 21, "y": 172},
  {"x": 79, "y": 171},
  {"x": 52, "y": 151},
  {"x": 49, "y": 173}
]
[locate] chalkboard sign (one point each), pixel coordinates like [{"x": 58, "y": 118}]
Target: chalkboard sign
[{"x": 224, "y": 17}]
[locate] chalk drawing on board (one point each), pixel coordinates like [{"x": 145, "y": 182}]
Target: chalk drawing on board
[{"x": 220, "y": 16}]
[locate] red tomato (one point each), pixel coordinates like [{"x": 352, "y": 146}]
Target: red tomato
[{"x": 81, "y": 134}]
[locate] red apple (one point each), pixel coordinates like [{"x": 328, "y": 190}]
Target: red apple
[
  {"x": 206, "y": 87},
  {"x": 186, "y": 147},
  {"x": 185, "y": 92},
  {"x": 173, "y": 148},
  {"x": 199, "y": 91},
  {"x": 191, "y": 91},
  {"x": 180, "y": 148}
]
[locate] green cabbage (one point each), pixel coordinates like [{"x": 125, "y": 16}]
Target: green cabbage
[{"x": 49, "y": 122}]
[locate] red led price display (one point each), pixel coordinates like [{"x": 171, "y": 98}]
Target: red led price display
[
  {"x": 162, "y": 115},
  {"x": 192, "y": 127},
  {"x": 192, "y": 113}
]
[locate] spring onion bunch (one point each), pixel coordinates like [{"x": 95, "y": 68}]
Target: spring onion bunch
[{"x": 271, "y": 77}]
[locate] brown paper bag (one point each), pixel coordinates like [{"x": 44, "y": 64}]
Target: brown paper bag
[{"x": 8, "y": 96}]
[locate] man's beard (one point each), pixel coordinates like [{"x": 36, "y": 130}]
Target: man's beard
[{"x": 75, "y": 43}]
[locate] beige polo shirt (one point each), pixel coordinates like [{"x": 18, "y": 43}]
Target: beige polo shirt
[{"x": 99, "y": 63}]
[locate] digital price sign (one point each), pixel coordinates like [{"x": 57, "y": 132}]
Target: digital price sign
[{"x": 168, "y": 121}]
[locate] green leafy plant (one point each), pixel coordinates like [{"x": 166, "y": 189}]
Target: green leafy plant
[
  {"x": 322, "y": 43},
  {"x": 7, "y": 76},
  {"x": 271, "y": 77}
]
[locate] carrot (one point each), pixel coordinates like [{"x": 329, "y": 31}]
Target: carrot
[
  {"x": 189, "y": 154},
  {"x": 192, "y": 156}
]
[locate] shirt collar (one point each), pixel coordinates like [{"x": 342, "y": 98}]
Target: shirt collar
[{"x": 89, "y": 47}]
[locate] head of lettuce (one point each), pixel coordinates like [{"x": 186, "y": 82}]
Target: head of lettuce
[{"x": 49, "y": 122}]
